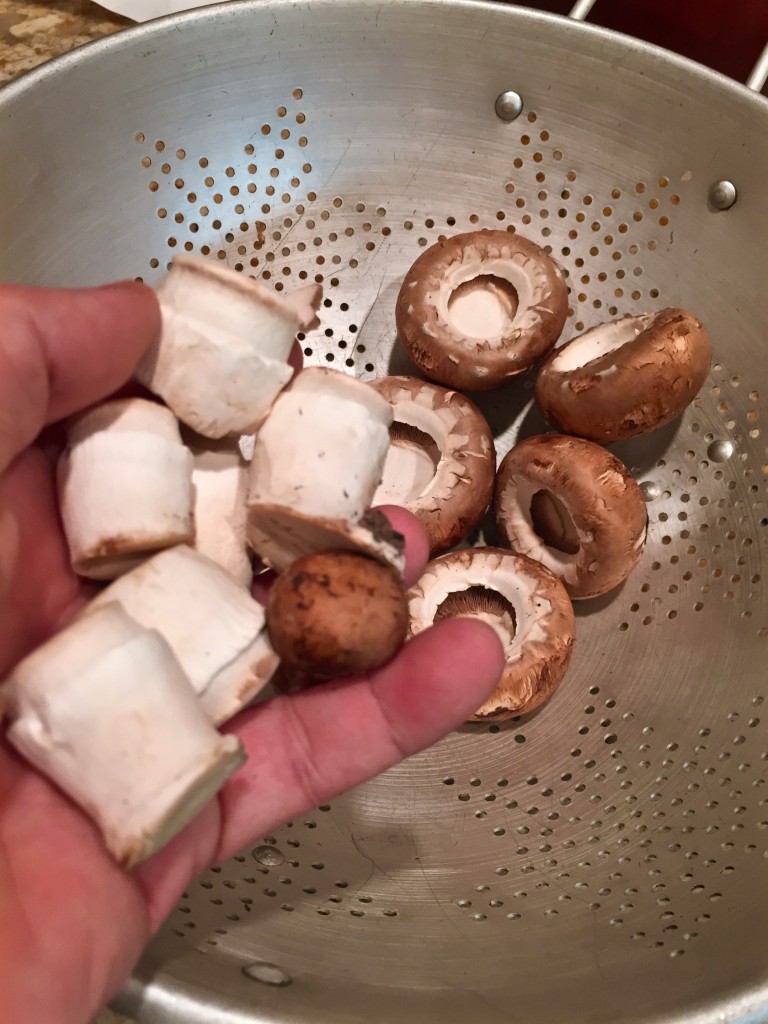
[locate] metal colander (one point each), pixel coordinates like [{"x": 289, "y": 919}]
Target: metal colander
[{"x": 605, "y": 859}]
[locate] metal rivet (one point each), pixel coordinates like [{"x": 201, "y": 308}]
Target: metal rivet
[
  {"x": 269, "y": 856},
  {"x": 650, "y": 490},
  {"x": 722, "y": 195},
  {"x": 720, "y": 451},
  {"x": 509, "y": 105},
  {"x": 267, "y": 974}
]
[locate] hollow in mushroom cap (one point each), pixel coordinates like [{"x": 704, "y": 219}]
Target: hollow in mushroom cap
[
  {"x": 573, "y": 506},
  {"x": 626, "y": 377},
  {"x": 441, "y": 461},
  {"x": 526, "y": 605},
  {"x": 479, "y": 308}
]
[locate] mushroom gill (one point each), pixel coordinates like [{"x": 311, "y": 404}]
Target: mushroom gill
[{"x": 481, "y": 603}]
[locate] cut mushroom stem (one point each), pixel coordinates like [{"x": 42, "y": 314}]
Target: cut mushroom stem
[
  {"x": 125, "y": 487},
  {"x": 480, "y": 308},
  {"x": 211, "y": 623},
  {"x": 222, "y": 357},
  {"x": 526, "y": 605},
  {"x": 626, "y": 377},
  {"x": 317, "y": 461},
  {"x": 573, "y": 506},
  {"x": 336, "y": 614},
  {"x": 305, "y": 302},
  {"x": 105, "y": 711},
  {"x": 441, "y": 459},
  {"x": 220, "y": 487},
  {"x": 280, "y": 535},
  {"x": 322, "y": 448}
]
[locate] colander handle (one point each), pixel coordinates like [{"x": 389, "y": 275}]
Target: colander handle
[{"x": 758, "y": 75}]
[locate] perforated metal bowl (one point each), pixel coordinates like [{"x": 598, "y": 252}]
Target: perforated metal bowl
[{"x": 606, "y": 858}]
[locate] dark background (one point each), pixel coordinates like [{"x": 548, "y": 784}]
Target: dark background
[{"x": 726, "y": 35}]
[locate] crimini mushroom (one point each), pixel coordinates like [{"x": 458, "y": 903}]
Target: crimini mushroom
[
  {"x": 573, "y": 506},
  {"x": 317, "y": 461},
  {"x": 220, "y": 488},
  {"x": 626, "y": 377},
  {"x": 479, "y": 308},
  {"x": 105, "y": 711},
  {"x": 336, "y": 613},
  {"x": 441, "y": 460},
  {"x": 211, "y": 623},
  {"x": 222, "y": 357},
  {"x": 526, "y": 605},
  {"x": 125, "y": 486}
]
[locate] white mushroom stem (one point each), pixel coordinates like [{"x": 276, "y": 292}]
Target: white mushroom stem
[
  {"x": 105, "y": 711},
  {"x": 222, "y": 357},
  {"x": 321, "y": 451},
  {"x": 211, "y": 623},
  {"x": 281, "y": 535},
  {"x": 220, "y": 484},
  {"x": 125, "y": 487},
  {"x": 305, "y": 303}
]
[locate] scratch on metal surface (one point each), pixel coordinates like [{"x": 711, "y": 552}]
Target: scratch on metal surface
[
  {"x": 454, "y": 924},
  {"x": 374, "y": 866},
  {"x": 339, "y": 162},
  {"x": 423, "y": 160}
]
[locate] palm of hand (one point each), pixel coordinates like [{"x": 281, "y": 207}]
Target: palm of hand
[{"x": 72, "y": 923}]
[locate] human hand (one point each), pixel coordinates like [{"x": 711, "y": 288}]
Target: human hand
[{"x": 73, "y": 923}]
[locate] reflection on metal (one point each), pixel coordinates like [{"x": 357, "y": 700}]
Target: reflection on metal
[
  {"x": 509, "y": 105},
  {"x": 722, "y": 194},
  {"x": 580, "y": 10}
]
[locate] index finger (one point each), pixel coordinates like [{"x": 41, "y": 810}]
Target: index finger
[{"x": 61, "y": 350}]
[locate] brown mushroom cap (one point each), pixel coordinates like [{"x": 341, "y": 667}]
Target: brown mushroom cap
[
  {"x": 526, "y": 605},
  {"x": 336, "y": 613},
  {"x": 573, "y": 506},
  {"x": 626, "y": 377},
  {"x": 442, "y": 461},
  {"x": 479, "y": 308}
]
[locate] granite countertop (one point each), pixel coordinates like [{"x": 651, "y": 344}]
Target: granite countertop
[{"x": 31, "y": 31}]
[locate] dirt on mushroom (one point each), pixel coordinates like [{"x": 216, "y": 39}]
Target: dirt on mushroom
[{"x": 335, "y": 613}]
